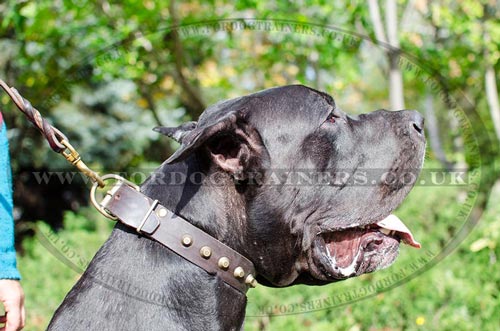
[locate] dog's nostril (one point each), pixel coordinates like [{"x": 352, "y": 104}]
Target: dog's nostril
[
  {"x": 373, "y": 245},
  {"x": 416, "y": 121},
  {"x": 417, "y": 128}
]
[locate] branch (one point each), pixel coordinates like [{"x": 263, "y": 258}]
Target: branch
[
  {"x": 194, "y": 98},
  {"x": 151, "y": 104}
]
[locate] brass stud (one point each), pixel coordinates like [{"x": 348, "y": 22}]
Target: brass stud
[
  {"x": 162, "y": 212},
  {"x": 223, "y": 263},
  {"x": 187, "y": 240},
  {"x": 251, "y": 281},
  {"x": 239, "y": 272},
  {"x": 205, "y": 252}
]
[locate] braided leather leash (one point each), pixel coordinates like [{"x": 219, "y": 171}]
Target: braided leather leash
[
  {"x": 125, "y": 203},
  {"x": 56, "y": 139}
]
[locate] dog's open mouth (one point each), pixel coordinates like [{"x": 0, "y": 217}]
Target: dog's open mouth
[{"x": 358, "y": 250}]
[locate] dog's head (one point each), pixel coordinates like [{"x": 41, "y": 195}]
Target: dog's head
[{"x": 318, "y": 187}]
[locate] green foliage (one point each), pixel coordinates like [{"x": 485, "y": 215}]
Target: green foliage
[
  {"x": 52, "y": 261},
  {"x": 107, "y": 72},
  {"x": 78, "y": 64},
  {"x": 489, "y": 228}
]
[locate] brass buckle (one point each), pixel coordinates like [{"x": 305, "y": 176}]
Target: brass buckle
[{"x": 101, "y": 207}]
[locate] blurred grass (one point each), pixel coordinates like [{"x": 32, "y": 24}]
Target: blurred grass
[
  {"x": 47, "y": 279},
  {"x": 459, "y": 293}
]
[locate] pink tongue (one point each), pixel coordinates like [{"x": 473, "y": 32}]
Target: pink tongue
[{"x": 393, "y": 223}]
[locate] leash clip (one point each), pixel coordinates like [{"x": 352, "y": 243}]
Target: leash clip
[
  {"x": 73, "y": 157},
  {"x": 101, "y": 206}
]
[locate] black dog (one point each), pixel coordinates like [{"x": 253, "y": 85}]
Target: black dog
[{"x": 295, "y": 193}]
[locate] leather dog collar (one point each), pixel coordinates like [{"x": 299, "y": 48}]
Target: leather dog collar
[{"x": 151, "y": 219}]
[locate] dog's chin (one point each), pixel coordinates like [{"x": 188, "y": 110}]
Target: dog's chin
[{"x": 351, "y": 252}]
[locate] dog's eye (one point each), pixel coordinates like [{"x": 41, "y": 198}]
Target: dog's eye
[{"x": 332, "y": 118}]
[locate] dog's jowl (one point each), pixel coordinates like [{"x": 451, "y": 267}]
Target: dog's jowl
[{"x": 283, "y": 177}]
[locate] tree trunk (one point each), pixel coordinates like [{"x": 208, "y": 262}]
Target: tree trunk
[
  {"x": 395, "y": 82},
  {"x": 396, "y": 94},
  {"x": 492, "y": 96},
  {"x": 395, "y": 74},
  {"x": 431, "y": 124},
  {"x": 378, "y": 27}
]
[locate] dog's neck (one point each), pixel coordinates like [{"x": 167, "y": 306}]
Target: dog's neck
[
  {"x": 205, "y": 196},
  {"x": 164, "y": 286}
]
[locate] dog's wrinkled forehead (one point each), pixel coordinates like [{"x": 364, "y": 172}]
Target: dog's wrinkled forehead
[
  {"x": 275, "y": 108},
  {"x": 281, "y": 116}
]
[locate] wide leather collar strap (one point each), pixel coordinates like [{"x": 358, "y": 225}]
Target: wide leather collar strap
[{"x": 151, "y": 219}]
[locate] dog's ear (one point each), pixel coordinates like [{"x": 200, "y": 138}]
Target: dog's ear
[
  {"x": 233, "y": 144},
  {"x": 176, "y": 133}
]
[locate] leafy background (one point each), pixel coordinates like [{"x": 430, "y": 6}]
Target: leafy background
[{"x": 106, "y": 72}]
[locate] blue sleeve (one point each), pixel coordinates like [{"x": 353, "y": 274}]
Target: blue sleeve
[{"x": 8, "y": 268}]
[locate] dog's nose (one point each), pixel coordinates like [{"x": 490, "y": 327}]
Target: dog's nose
[{"x": 416, "y": 122}]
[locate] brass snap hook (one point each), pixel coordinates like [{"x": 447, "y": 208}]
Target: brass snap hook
[{"x": 73, "y": 157}]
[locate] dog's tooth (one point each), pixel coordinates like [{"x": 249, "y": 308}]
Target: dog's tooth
[{"x": 387, "y": 232}]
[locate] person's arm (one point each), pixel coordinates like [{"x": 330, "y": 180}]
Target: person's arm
[{"x": 11, "y": 293}]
